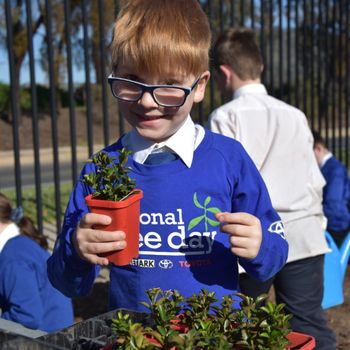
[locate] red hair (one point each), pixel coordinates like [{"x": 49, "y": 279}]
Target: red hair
[{"x": 162, "y": 36}]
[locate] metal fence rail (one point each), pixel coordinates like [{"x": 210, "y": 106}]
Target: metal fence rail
[{"x": 305, "y": 47}]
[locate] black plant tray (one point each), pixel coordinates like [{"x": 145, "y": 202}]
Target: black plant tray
[
  {"x": 12, "y": 341},
  {"x": 91, "y": 334}
]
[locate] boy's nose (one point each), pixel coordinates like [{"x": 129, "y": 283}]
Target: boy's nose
[{"x": 147, "y": 100}]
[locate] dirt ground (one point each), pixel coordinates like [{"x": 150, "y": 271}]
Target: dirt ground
[
  {"x": 339, "y": 317},
  {"x": 63, "y": 126},
  {"x": 96, "y": 302}
]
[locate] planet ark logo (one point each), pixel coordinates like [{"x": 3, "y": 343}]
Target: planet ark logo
[{"x": 147, "y": 263}]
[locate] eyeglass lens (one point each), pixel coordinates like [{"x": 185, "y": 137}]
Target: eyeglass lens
[{"x": 131, "y": 92}]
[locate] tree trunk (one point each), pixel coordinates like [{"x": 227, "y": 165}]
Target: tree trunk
[
  {"x": 16, "y": 84},
  {"x": 97, "y": 62}
]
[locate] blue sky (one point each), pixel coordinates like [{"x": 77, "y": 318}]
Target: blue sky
[{"x": 40, "y": 74}]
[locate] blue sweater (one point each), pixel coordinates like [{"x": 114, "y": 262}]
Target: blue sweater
[
  {"x": 336, "y": 195},
  {"x": 181, "y": 246},
  {"x": 26, "y": 295}
]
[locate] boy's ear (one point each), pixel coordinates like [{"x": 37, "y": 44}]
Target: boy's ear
[
  {"x": 318, "y": 148},
  {"x": 227, "y": 72},
  {"x": 200, "y": 89}
]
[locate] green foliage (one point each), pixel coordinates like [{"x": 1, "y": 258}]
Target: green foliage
[
  {"x": 164, "y": 305},
  {"x": 43, "y": 98},
  {"x": 47, "y": 201},
  {"x": 264, "y": 327},
  {"x": 111, "y": 179},
  {"x": 130, "y": 334},
  {"x": 4, "y": 97},
  {"x": 201, "y": 322},
  {"x": 25, "y": 101}
]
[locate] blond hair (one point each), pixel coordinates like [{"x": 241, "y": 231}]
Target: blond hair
[
  {"x": 237, "y": 47},
  {"x": 160, "y": 36}
]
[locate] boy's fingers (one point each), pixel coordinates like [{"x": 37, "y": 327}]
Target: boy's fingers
[
  {"x": 106, "y": 236},
  {"x": 98, "y": 248},
  {"x": 91, "y": 250},
  {"x": 239, "y": 242},
  {"x": 96, "y": 260},
  {"x": 236, "y": 229},
  {"x": 237, "y": 218},
  {"x": 91, "y": 219}
]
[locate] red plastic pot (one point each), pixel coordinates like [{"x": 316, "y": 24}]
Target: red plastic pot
[
  {"x": 125, "y": 217},
  {"x": 300, "y": 341}
]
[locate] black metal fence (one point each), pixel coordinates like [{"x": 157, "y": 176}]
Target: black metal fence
[{"x": 305, "y": 46}]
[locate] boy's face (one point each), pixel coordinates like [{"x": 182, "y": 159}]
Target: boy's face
[{"x": 154, "y": 122}]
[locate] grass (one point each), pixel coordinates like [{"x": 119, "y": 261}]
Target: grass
[{"x": 48, "y": 201}]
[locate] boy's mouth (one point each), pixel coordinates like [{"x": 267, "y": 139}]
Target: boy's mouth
[{"x": 150, "y": 117}]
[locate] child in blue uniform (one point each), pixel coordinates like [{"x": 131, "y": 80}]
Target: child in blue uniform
[
  {"x": 336, "y": 193},
  {"x": 26, "y": 295},
  {"x": 201, "y": 212}
]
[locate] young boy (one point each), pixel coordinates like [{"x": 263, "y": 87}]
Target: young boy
[
  {"x": 201, "y": 212},
  {"x": 336, "y": 193},
  {"x": 277, "y": 137}
]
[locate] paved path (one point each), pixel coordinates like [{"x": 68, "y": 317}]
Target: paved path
[
  {"x": 46, "y": 155},
  {"x": 7, "y": 165}
]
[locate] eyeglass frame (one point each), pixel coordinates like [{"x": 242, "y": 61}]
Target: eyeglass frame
[{"x": 150, "y": 88}]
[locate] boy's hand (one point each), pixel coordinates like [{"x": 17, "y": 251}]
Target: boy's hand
[
  {"x": 90, "y": 242},
  {"x": 245, "y": 234}
]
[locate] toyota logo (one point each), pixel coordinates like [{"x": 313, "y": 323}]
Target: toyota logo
[
  {"x": 166, "y": 264},
  {"x": 277, "y": 227}
]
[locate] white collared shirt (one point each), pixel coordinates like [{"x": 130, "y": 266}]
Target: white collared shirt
[
  {"x": 278, "y": 139},
  {"x": 183, "y": 143},
  {"x": 250, "y": 89},
  {"x": 328, "y": 156},
  {"x": 9, "y": 232}
]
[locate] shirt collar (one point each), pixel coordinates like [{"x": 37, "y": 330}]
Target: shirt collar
[
  {"x": 183, "y": 143},
  {"x": 326, "y": 157},
  {"x": 250, "y": 89},
  {"x": 9, "y": 232}
]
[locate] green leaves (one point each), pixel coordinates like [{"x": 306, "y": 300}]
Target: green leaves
[
  {"x": 200, "y": 322},
  {"x": 261, "y": 326},
  {"x": 110, "y": 180},
  {"x": 194, "y": 222}
]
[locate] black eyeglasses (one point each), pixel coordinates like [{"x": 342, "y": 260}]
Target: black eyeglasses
[{"x": 164, "y": 95}]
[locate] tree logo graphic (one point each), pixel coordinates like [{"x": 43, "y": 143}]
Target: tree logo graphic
[{"x": 194, "y": 222}]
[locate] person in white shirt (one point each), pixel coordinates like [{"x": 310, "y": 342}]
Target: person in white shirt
[{"x": 278, "y": 139}]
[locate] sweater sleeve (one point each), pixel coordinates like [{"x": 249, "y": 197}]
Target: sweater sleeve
[
  {"x": 19, "y": 290},
  {"x": 334, "y": 198},
  {"x": 67, "y": 272},
  {"x": 251, "y": 196}
]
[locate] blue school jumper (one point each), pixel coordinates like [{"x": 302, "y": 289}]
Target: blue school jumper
[
  {"x": 26, "y": 294},
  {"x": 181, "y": 246},
  {"x": 336, "y": 195}
]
